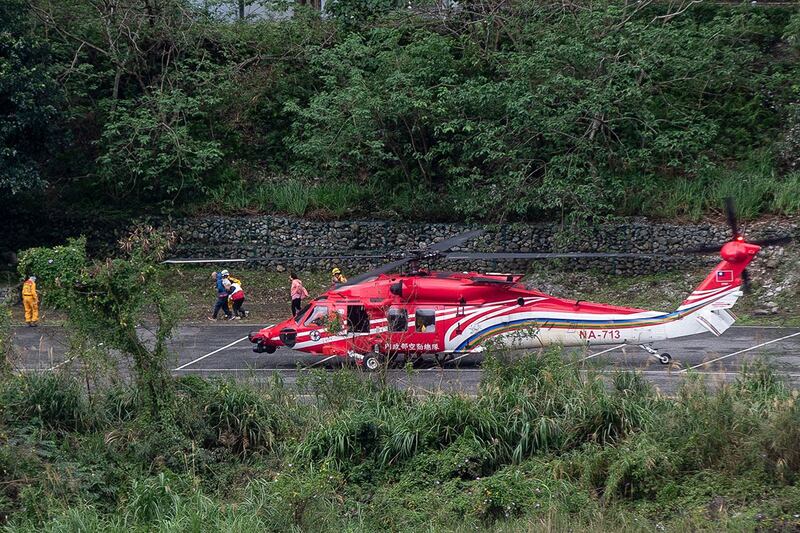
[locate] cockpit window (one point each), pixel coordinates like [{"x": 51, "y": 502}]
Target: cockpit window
[
  {"x": 318, "y": 316},
  {"x": 298, "y": 318}
]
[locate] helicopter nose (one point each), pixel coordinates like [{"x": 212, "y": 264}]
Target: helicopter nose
[
  {"x": 263, "y": 340},
  {"x": 261, "y": 335}
]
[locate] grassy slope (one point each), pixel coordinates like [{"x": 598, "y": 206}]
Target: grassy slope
[{"x": 268, "y": 292}]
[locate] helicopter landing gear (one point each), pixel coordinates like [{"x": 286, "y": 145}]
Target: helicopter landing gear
[
  {"x": 663, "y": 358},
  {"x": 371, "y": 362},
  {"x": 442, "y": 358}
]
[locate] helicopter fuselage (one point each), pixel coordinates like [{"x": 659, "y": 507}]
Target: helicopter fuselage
[{"x": 455, "y": 313}]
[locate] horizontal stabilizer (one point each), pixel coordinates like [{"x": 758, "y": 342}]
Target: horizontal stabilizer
[{"x": 715, "y": 320}]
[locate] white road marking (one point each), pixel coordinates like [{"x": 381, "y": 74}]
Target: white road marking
[
  {"x": 740, "y": 352},
  {"x": 209, "y": 354},
  {"x": 601, "y": 353},
  {"x": 761, "y": 327},
  {"x": 320, "y": 362},
  {"x": 243, "y": 369}
]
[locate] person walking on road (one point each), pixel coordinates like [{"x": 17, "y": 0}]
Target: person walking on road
[
  {"x": 297, "y": 292},
  {"x": 226, "y": 276},
  {"x": 222, "y": 296},
  {"x": 30, "y": 301},
  {"x": 236, "y": 297}
]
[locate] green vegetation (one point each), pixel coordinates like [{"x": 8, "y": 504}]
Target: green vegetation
[
  {"x": 543, "y": 447},
  {"x": 115, "y": 443},
  {"x": 106, "y": 301},
  {"x": 29, "y": 101},
  {"x": 488, "y": 111}
]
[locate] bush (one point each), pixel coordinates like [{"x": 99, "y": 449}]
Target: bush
[
  {"x": 56, "y": 269},
  {"x": 51, "y": 398},
  {"x": 241, "y": 419}
]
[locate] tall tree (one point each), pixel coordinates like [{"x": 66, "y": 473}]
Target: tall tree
[{"x": 28, "y": 101}]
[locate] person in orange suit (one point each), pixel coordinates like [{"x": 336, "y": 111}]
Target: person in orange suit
[{"x": 30, "y": 301}]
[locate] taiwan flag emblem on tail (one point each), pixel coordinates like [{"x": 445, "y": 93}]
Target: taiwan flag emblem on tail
[{"x": 724, "y": 276}]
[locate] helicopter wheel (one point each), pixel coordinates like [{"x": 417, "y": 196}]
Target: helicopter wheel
[
  {"x": 664, "y": 358},
  {"x": 441, "y": 359},
  {"x": 371, "y": 362}
]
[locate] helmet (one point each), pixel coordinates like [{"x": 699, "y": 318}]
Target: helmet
[
  {"x": 225, "y": 273},
  {"x": 336, "y": 271},
  {"x": 32, "y": 278}
]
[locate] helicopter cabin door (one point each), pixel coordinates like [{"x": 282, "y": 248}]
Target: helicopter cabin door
[{"x": 357, "y": 319}]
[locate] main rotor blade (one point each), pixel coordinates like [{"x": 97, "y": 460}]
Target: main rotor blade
[
  {"x": 773, "y": 241},
  {"x": 458, "y": 256},
  {"x": 394, "y": 265},
  {"x": 714, "y": 248},
  {"x": 383, "y": 269},
  {"x": 190, "y": 261},
  {"x": 730, "y": 214},
  {"x": 455, "y": 241}
]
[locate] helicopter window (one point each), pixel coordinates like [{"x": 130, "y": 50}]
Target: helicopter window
[
  {"x": 318, "y": 317},
  {"x": 398, "y": 319},
  {"x": 425, "y": 321},
  {"x": 357, "y": 319}
]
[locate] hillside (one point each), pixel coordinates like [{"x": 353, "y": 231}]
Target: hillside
[{"x": 490, "y": 111}]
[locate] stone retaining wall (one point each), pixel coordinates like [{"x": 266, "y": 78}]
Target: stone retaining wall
[{"x": 264, "y": 236}]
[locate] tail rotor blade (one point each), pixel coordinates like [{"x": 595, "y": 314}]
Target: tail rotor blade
[
  {"x": 745, "y": 281},
  {"x": 730, "y": 214}
]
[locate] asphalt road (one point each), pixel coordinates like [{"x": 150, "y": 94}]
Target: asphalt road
[{"x": 223, "y": 350}]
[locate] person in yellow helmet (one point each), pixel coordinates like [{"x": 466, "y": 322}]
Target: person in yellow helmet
[
  {"x": 30, "y": 301},
  {"x": 337, "y": 278}
]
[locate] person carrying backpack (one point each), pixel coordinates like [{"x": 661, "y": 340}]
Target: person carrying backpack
[{"x": 222, "y": 297}]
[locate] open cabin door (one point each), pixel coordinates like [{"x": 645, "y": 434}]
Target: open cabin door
[{"x": 357, "y": 319}]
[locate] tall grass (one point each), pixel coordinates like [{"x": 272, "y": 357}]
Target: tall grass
[
  {"x": 754, "y": 185},
  {"x": 291, "y": 196},
  {"x": 50, "y": 399},
  {"x": 544, "y": 443}
]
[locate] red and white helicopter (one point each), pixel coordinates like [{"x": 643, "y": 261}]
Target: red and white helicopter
[{"x": 378, "y": 316}]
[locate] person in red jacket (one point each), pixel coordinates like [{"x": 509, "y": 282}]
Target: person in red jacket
[{"x": 236, "y": 296}]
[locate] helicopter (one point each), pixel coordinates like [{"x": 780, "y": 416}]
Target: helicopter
[{"x": 381, "y": 315}]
